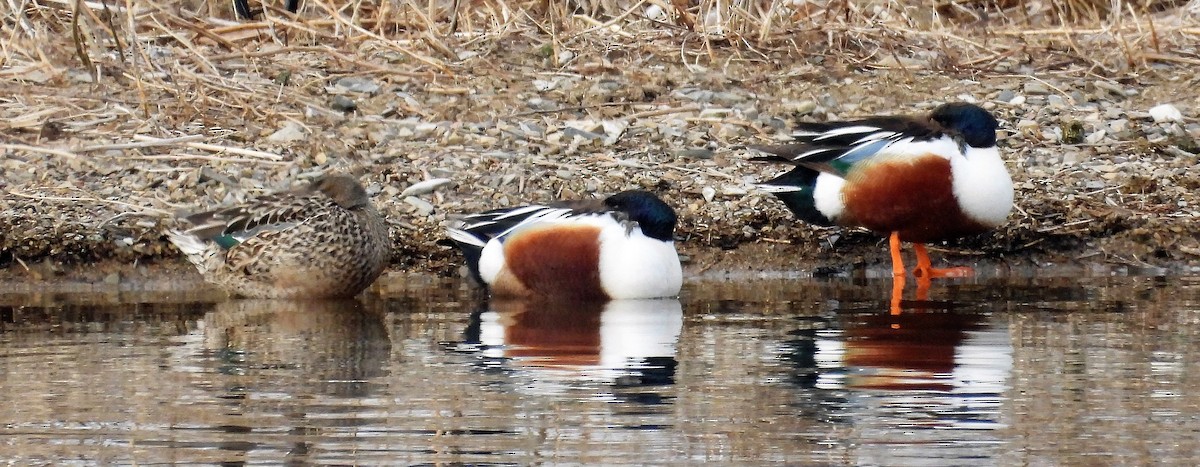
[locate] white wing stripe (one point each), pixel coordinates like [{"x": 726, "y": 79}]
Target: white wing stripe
[
  {"x": 877, "y": 136},
  {"x": 846, "y": 131},
  {"x": 462, "y": 236},
  {"x": 812, "y": 153},
  {"x": 519, "y": 211},
  {"x": 778, "y": 188}
]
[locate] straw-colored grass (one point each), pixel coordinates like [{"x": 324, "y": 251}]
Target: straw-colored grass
[
  {"x": 1107, "y": 35},
  {"x": 195, "y": 49}
]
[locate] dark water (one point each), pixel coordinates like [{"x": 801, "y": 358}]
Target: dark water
[{"x": 993, "y": 371}]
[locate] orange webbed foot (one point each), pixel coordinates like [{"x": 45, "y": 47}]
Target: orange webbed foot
[{"x": 926, "y": 270}]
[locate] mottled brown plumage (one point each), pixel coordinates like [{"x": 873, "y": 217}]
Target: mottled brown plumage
[{"x": 323, "y": 240}]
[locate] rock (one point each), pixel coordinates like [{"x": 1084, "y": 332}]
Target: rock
[
  {"x": 709, "y": 193},
  {"x": 1163, "y": 113},
  {"x": 427, "y": 186},
  {"x": 1006, "y": 96},
  {"x": 343, "y": 103},
  {"x": 801, "y": 108},
  {"x": 700, "y": 153},
  {"x": 1110, "y": 87},
  {"x": 75, "y": 75},
  {"x": 1036, "y": 88},
  {"x": 423, "y": 207},
  {"x": 538, "y": 103},
  {"x": 291, "y": 131},
  {"x": 357, "y": 84}
]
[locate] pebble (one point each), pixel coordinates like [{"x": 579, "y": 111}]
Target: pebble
[
  {"x": 1110, "y": 87},
  {"x": 424, "y": 187},
  {"x": 357, "y": 84},
  {"x": 74, "y": 74},
  {"x": 423, "y": 207},
  {"x": 1036, "y": 88},
  {"x": 695, "y": 154},
  {"x": 1163, "y": 113},
  {"x": 342, "y": 103},
  {"x": 585, "y": 134}
]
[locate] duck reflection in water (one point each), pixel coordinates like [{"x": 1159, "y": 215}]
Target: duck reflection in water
[
  {"x": 928, "y": 350},
  {"x": 935, "y": 347},
  {"x": 622, "y": 342},
  {"x": 329, "y": 347}
]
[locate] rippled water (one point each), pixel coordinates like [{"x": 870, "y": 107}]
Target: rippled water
[{"x": 1027, "y": 371}]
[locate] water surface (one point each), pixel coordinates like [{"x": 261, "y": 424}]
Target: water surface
[{"x": 743, "y": 370}]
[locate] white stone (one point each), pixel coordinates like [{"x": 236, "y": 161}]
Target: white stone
[
  {"x": 1166, "y": 113},
  {"x": 292, "y": 131},
  {"x": 427, "y": 186}
]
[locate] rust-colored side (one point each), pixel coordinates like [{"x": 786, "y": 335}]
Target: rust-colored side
[
  {"x": 557, "y": 261},
  {"x": 909, "y": 351},
  {"x": 912, "y": 197},
  {"x": 562, "y": 334}
]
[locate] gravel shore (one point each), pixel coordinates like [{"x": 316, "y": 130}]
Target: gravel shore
[{"x": 94, "y": 168}]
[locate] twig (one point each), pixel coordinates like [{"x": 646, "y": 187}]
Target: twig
[
  {"x": 184, "y": 157},
  {"x": 657, "y": 112},
  {"x": 93, "y": 200},
  {"x": 143, "y": 144},
  {"x": 38, "y": 149},
  {"x": 610, "y": 22},
  {"x": 219, "y": 149}
]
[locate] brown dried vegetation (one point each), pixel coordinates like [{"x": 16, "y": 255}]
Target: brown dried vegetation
[{"x": 118, "y": 115}]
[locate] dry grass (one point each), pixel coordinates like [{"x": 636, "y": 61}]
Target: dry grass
[
  {"x": 195, "y": 52},
  {"x": 429, "y": 39},
  {"x": 1110, "y": 36}
]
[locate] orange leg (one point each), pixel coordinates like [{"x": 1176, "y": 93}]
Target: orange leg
[
  {"x": 923, "y": 284},
  {"x": 897, "y": 260},
  {"x": 897, "y": 294},
  {"x": 925, "y": 268}
]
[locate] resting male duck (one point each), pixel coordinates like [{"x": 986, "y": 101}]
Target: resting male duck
[{"x": 621, "y": 247}]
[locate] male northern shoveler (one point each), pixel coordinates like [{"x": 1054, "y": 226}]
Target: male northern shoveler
[
  {"x": 323, "y": 240},
  {"x": 617, "y": 248},
  {"x": 919, "y": 179}
]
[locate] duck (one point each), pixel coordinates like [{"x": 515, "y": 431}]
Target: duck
[
  {"x": 913, "y": 178},
  {"x": 323, "y": 240},
  {"x": 619, "y": 247}
]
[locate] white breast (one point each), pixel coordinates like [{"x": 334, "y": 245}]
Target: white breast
[
  {"x": 982, "y": 185},
  {"x": 633, "y": 265}
]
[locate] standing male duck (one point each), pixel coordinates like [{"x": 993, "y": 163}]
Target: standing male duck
[{"x": 918, "y": 179}]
